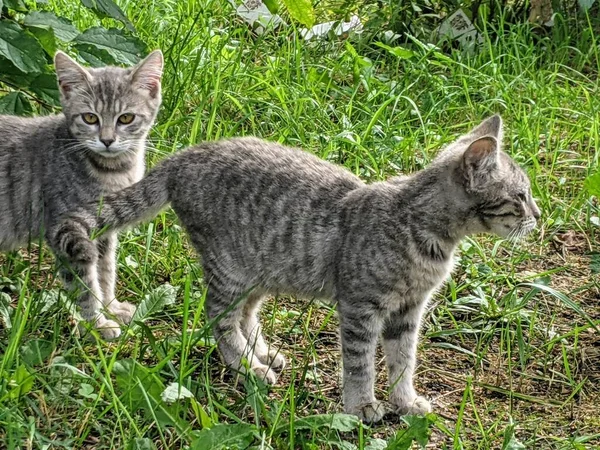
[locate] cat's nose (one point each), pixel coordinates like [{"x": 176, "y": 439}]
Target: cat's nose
[
  {"x": 535, "y": 211},
  {"x": 107, "y": 142}
]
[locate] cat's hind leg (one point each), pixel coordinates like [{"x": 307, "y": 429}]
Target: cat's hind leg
[
  {"x": 252, "y": 331},
  {"x": 224, "y": 308}
]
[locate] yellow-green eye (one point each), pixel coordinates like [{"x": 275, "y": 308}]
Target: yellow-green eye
[
  {"x": 89, "y": 118},
  {"x": 126, "y": 118}
]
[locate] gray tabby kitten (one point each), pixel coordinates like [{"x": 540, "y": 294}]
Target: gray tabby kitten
[
  {"x": 51, "y": 165},
  {"x": 268, "y": 219}
]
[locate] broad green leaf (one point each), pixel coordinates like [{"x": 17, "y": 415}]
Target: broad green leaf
[
  {"x": 174, "y": 392},
  {"x": 585, "y": 5},
  {"x": 87, "y": 391},
  {"x": 13, "y": 76},
  {"x": 272, "y": 6},
  {"x": 15, "y": 104},
  {"x": 129, "y": 375},
  {"x": 108, "y": 8},
  {"x": 141, "y": 444},
  {"x": 225, "y": 436},
  {"x": 21, "y": 48},
  {"x": 592, "y": 184},
  {"x": 301, "y": 10},
  {"x": 420, "y": 427},
  {"x": 15, "y": 5},
  {"x": 1, "y": 5},
  {"x": 338, "y": 421},
  {"x": 510, "y": 441},
  {"x": 21, "y": 382},
  {"x": 46, "y": 38},
  {"x": 155, "y": 301},
  {"x": 376, "y": 444},
  {"x": 45, "y": 87},
  {"x": 36, "y": 351},
  {"x": 63, "y": 29},
  {"x": 124, "y": 49},
  {"x": 398, "y": 52},
  {"x": 5, "y": 310},
  {"x": 140, "y": 388},
  {"x": 418, "y": 431},
  {"x": 201, "y": 413},
  {"x": 95, "y": 57},
  {"x": 49, "y": 299},
  {"x": 62, "y": 366}
]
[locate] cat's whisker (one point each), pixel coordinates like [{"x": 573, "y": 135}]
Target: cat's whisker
[
  {"x": 74, "y": 148},
  {"x": 149, "y": 148},
  {"x": 160, "y": 140}
]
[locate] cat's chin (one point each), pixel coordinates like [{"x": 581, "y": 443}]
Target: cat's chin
[
  {"x": 111, "y": 154},
  {"x": 514, "y": 232}
]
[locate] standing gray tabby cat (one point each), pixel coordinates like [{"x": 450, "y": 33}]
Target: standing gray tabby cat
[
  {"x": 269, "y": 219},
  {"x": 51, "y": 165}
]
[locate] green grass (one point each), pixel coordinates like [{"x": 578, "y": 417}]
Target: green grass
[{"x": 510, "y": 349}]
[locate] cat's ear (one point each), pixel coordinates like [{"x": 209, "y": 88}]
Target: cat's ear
[
  {"x": 492, "y": 126},
  {"x": 70, "y": 74},
  {"x": 480, "y": 160},
  {"x": 146, "y": 75}
]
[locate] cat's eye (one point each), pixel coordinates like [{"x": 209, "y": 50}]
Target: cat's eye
[
  {"x": 89, "y": 118},
  {"x": 125, "y": 119}
]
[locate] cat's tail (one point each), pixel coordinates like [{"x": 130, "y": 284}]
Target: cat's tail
[{"x": 140, "y": 201}]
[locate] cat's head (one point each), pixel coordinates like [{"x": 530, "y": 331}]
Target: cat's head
[
  {"x": 497, "y": 189},
  {"x": 110, "y": 110}
]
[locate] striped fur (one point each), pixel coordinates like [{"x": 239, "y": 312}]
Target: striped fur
[
  {"x": 51, "y": 165},
  {"x": 267, "y": 219}
]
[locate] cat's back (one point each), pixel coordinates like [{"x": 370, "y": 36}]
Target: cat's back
[
  {"x": 250, "y": 168},
  {"x": 25, "y": 157},
  {"x": 28, "y": 134},
  {"x": 268, "y": 210},
  {"x": 256, "y": 157}
]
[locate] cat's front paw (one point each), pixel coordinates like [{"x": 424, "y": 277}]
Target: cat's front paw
[
  {"x": 123, "y": 311},
  {"x": 70, "y": 239},
  {"x": 276, "y": 360},
  {"x": 108, "y": 329},
  {"x": 371, "y": 412},
  {"x": 82, "y": 251},
  {"x": 417, "y": 406},
  {"x": 265, "y": 374}
]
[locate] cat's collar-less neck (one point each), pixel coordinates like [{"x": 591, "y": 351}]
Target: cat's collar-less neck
[
  {"x": 119, "y": 164},
  {"x": 434, "y": 212}
]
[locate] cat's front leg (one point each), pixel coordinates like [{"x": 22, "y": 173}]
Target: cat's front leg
[
  {"x": 79, "y": 257},
  {"x": 400, "y": 336},
  {"x": 83, "y": 280},
  {"x": 107, "y": 274},
  {"x": 359, "y": 331}
]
